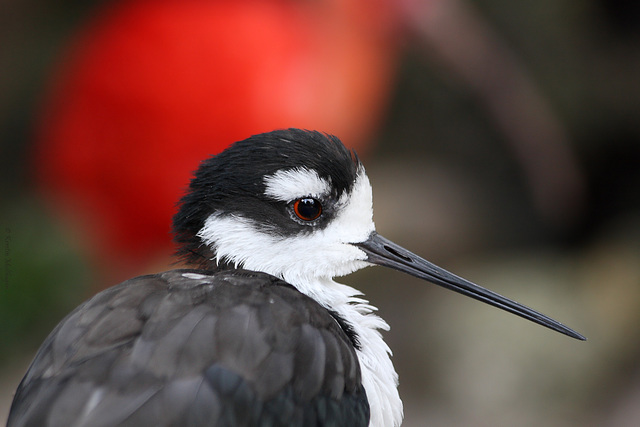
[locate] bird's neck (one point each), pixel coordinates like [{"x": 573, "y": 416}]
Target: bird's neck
[{"x": 379, "y": 377}]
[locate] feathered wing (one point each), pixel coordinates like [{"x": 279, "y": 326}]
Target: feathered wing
[{"x": 194, "y": 348}]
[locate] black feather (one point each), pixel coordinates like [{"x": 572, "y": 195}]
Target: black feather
[{"x": 229, "y": 348}]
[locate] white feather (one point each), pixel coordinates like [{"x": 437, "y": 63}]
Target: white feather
[{"x": 290, "y": 184}]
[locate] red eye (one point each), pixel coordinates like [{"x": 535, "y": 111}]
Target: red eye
[{"x": 307, "y": 209}]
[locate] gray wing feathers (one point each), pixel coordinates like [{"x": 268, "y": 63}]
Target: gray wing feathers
[{"x": 237, "y": 348}]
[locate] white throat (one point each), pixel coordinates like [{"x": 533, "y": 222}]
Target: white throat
[{"x": 239, "y": 241}]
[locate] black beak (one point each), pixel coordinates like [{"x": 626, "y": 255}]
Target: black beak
[{"x": 384, "y": 252}]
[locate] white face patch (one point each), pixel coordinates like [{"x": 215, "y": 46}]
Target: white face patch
[
  {"x": 287, "y": 185},
  {"x": 303, "y": 259}
]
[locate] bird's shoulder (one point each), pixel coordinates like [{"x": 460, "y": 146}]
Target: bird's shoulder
[{"x": 186, "y": 347}]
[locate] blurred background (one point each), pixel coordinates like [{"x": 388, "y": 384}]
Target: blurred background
[{"x": 502, "y": 140}]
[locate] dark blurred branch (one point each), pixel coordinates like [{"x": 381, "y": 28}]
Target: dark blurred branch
[{"x": 465, "y": 43}]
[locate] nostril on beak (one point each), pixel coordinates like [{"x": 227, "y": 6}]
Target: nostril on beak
[{"x": 396, "y": 253}]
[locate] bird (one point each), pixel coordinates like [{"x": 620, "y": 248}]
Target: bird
[{"x": 256, "y": 332}]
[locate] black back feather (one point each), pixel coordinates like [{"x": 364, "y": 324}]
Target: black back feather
[{"x": 234, "y": 348}]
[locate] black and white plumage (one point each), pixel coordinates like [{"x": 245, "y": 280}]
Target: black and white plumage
[{"x": 260, "y": 334}]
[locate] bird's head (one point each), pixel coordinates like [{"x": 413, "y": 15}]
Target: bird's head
[{"x": 290, "y": 203}]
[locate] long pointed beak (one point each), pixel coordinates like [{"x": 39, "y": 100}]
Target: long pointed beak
[{"x": 382, "y": 251}]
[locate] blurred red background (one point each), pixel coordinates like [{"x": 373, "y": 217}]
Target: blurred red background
[{"x": 148, "y": 89}]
